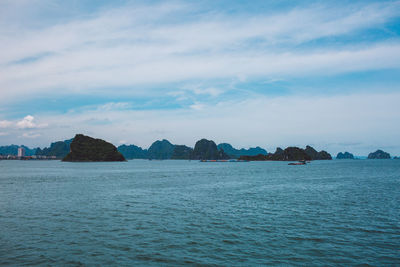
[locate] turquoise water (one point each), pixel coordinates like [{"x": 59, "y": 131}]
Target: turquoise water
[{"x": 190, "y": 213}]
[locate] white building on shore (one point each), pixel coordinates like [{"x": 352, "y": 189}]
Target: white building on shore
[{"x": 21, "y": 152}]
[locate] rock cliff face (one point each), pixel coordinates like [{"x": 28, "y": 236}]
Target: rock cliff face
[
  {"x": 315, "y": 155},
  {"x": 58, "y": 149},
  {"x": 160, "y": 150},
  {"x": 207, "y": 150},
  {"x": 236, "y": 153},
  {"x": 289, "y": 154},
  {"x": 133, "y": 152},
  {"x": 345, "y": 155},
  {"x": 85, "y": 148},
  {"x": 182, "y": 152},
  {"x": 379, "y": 154},
  {"x": 323, "y": 155}
]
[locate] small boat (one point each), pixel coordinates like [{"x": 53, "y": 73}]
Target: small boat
[{"x": 301, "y": 162}]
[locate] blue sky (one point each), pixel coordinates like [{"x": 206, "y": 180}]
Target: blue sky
[{"x": 267, "y": 73}]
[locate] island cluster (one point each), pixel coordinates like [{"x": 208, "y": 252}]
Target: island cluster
[{"x": 83, "y": 148}]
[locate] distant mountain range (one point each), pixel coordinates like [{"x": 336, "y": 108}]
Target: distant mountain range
[
  {"x": 160, "y": 149},
  {"x": 58, "y": 149},
  {"x": 163, "y": 149},
  {"x": 13, "y": 150},
  {"x": 133, "y": 152},
  {"x": 203, "y": 149},
  {"x": 236, "y": 153}
]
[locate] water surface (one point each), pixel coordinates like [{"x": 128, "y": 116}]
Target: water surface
[{"x": 341, "y": 212}]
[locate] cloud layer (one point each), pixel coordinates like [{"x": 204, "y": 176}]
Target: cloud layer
[
  {"x": 268, "y": 122},
  {"x": 127, "y": 48}
]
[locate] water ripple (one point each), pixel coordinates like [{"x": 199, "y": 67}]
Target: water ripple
[{"x": 173, "y": 213}]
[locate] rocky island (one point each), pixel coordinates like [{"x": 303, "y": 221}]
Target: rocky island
[
  {"x": 207, "y": 150},
  {"x": 345, "y": 155},
  {"x": 58, "y": 149},
  {"x": 236, "y": 153},
  {"x": 182, "y": 152},
  {"x": 163, "y": 149},
  {"x": 291, "y": 154},
  {"x": 315, "y": 155},
  {"x": 88, "y": 149},
  {"x": 132, "y": 152},
  {"x": 160, "y": 149},
  {"x": 379, "y": 154}
]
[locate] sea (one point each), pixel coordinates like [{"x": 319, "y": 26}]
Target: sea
[{"x": 190, "y": 213}]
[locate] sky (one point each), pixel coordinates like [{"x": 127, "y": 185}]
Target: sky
[{"x": 250, "y": 73}]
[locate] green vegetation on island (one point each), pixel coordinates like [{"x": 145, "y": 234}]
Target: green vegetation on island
[
  {"x": 133, "y": 152},
  {"x": 207, "y": 150},
  {"x": 236, "y": 153},
  {"x": 87, "y": 149},
  {"x": 166, "y": 150},
  {"x": 379, "y": 154},
  {"x": 345, "y": 155},
  {"x": 289, "y": 154},
  {"x": 160, "y": 150},
  {"x": 58, "y": 149},
  {"x": 182, "y": 152},
  {"x": 315, "y": 155}
]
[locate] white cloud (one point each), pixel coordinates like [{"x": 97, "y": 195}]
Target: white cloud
[
  {"x": 57, "y": 73},
  {"x": 5, "y": 124},
  {"x": 28, "y": 122},
  {"x": 125, "y": 48}
]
